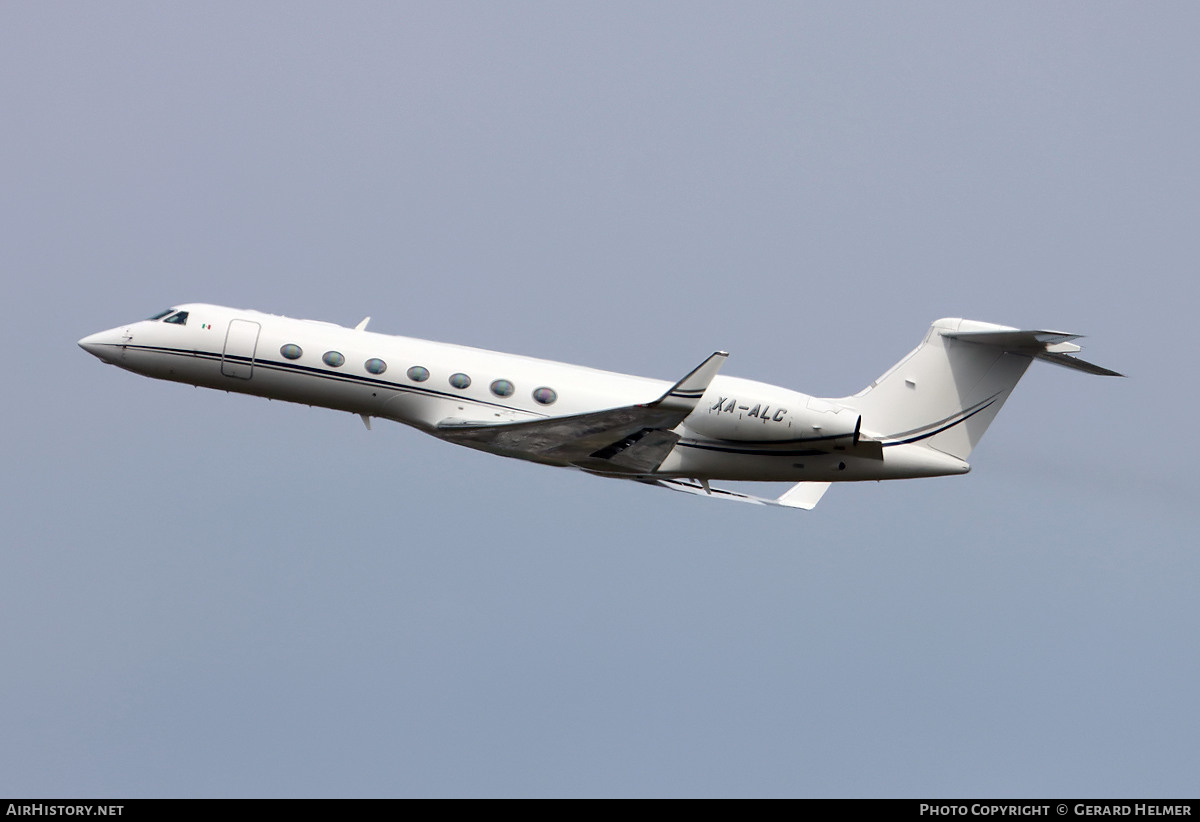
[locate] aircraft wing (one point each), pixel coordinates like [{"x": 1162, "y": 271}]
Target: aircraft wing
[{"x": 633, "y": 439}]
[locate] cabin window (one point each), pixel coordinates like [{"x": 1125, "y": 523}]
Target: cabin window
[
  {"x": 418, "y": 373},
  {"x": 502, "y": 388},
  {"x": 375, "y": 365},
  {"x": 161, "y": 314},
  {"x": 333, "y": 359},
  {"x": 460, "y": 380},
  {"x": 291, "y": 351},
  {"x": 178, "y": 319},
  {"x": 545, "y": 396}
]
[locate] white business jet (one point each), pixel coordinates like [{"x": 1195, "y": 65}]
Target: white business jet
[{"x": 922, "y": 418}]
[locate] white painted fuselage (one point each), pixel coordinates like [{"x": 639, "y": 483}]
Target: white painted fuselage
[{"x": 737, "y": 429}]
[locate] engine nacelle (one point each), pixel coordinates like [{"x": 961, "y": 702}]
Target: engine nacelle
[{"x": 785, "y": 416}]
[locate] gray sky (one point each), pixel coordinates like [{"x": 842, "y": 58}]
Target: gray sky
[{"x": 205, "y": 594}]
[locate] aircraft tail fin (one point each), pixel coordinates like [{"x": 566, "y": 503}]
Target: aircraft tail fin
[{"x": 946, "y": 392}]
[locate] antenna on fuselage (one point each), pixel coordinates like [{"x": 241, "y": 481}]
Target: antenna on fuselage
[{"x": 362, "y": 326}]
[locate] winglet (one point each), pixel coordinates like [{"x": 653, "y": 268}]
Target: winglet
[{"x": 685, "y": 394}]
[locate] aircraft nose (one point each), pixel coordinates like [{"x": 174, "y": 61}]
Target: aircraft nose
[
  {"x": 105, "y": 345},
  {"x": 91, "y": 344}
]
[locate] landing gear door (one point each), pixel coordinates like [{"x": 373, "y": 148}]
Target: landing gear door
[{"x": 241, "y": 340}]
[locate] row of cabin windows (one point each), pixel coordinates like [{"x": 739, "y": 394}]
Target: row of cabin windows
[{"x": 419, "y": 373}]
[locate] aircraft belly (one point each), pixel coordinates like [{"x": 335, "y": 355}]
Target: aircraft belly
[
  {"x": 208, "y": 370},
  {"x": 731, "y": 461},
  {"x": 181, "y": 366},
  {"x": 713, "y": 460},
  {"x": 312, "y": 390}
]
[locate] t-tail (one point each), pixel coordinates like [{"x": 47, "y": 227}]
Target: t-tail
[{"x": 947, "y": 391}]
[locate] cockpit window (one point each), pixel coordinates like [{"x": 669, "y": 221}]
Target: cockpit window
[
  {"x": 161, "y": 314},
  {"x": 178, "y": 319}
]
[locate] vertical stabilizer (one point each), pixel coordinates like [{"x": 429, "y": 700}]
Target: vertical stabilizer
[{"x": 945, "y": 393}]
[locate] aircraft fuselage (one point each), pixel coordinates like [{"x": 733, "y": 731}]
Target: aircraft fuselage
[{"x": 738, "y": 430}]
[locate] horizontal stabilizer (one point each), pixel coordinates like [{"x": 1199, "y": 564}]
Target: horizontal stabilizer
[
  {"x": 1051, "y": 346},
  {"x": 1015, "y": 339},
  {"x": 1077, "y": 364},
  {"x": 804, "y": 495}
]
